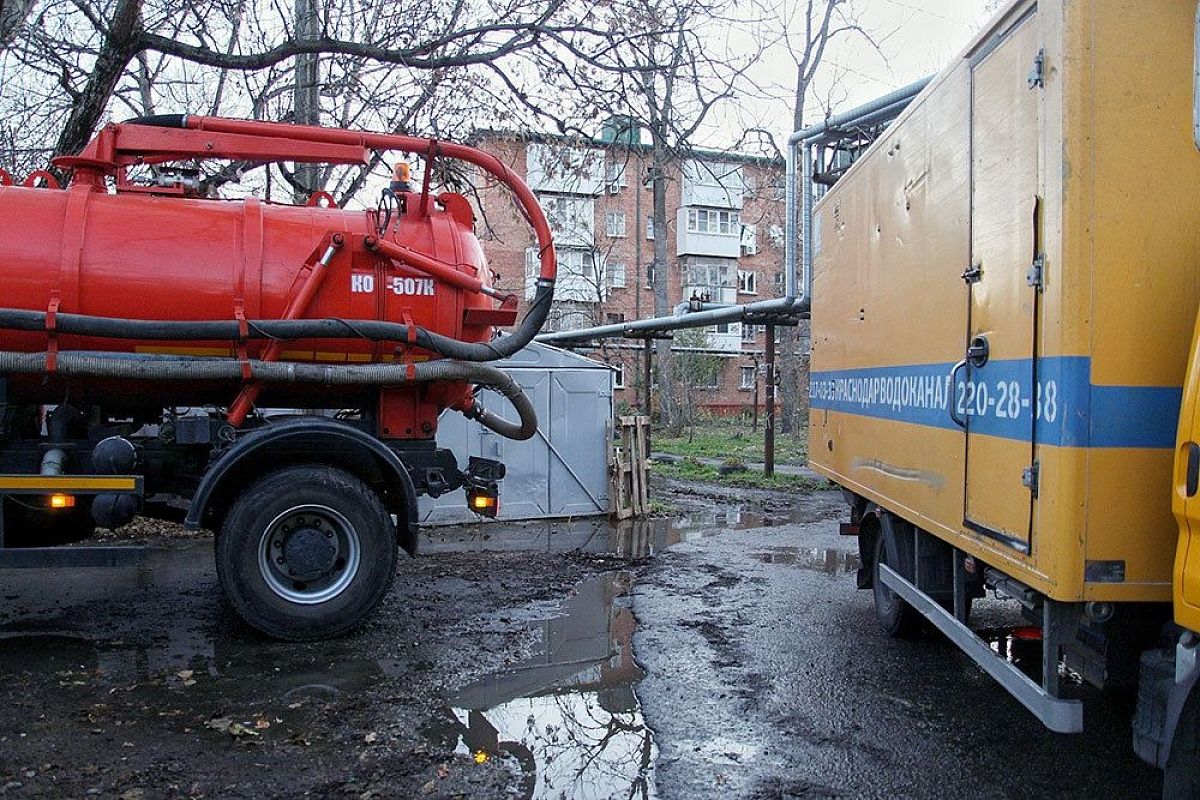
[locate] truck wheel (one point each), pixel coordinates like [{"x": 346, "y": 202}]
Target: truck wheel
[
  {"x": 1181, "y": 778},
  {"x": 897, "y": 617},
  {"x": 306, "y": 553}
]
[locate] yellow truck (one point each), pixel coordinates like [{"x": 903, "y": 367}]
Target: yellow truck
[{"x": 1005, "y": 378}]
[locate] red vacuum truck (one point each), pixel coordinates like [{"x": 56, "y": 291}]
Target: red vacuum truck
[{"x": 144, "y": 328}]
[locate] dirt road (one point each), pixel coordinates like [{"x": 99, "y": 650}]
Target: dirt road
[{"x": 704, "y": 656}]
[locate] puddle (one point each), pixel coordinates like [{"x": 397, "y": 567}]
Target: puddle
[
  {"x": 816, "y": 559},
  {"x": 568, "y": 718},
  {"x": 633, "y": 538},
  {"x": 1021, "y": 646}
]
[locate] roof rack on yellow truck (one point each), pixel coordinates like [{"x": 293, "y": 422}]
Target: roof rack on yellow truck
[{"x": 1004, "y": 286}]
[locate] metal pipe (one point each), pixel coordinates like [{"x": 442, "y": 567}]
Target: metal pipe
[
  {"x": 769, "y": 427},
  {"x": 688, "y": 307},
  {"x": 675, "y": 322},
  {"x": 53, "y": 461},
  {"x": 647, "y": 376}
]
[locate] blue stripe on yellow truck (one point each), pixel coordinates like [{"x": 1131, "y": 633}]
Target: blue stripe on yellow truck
[{"x": 1061, "y": 407}]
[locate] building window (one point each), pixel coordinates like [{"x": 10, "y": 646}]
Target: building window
[
  {"x": 780, "y": 283},
  {"x": 749, "y": 240},
  {"x": 748, "y": 378},
  {"x": 616, "y": 275},
  {"x": 579, "y": 277},
  {"x": 749, "y": 333},
  {"x": 614, "y": 224},
  {"x": 570, "y": 315},
  {"x": 613, "y": 318},
  {"x": 572, "y": 219},
  {"x": 714, "y": 222},
  {"x": 618, "y": 376},
  {"x": 713, "y": 281},
  {"x": 614, "y": 177},
  {"x": 747, "y": 282},
  {"x": 650, "y": 275},
  {"x": 649, "y": 227}
]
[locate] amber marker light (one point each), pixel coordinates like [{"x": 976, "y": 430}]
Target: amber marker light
[
  {"x": 62, "y": 501},
  {"x": 483, "y": 503}
]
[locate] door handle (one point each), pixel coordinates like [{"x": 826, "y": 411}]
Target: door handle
[
  {"x": 962, "y": 423},
  {"x": 979, "y": 351}
]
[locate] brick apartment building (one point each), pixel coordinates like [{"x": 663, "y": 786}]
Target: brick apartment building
[{"x": 724, "y": 241}]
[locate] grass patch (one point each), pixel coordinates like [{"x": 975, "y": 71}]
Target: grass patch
[
  {"x": 691, "y": 470},
  {"x": 728, "y": 440},
  {"x": 661, "y": 508}
]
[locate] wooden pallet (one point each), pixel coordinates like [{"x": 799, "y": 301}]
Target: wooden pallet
[{"x": 631, "y": 469}]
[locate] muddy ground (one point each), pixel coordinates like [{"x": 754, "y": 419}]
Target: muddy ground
[{"x": 721, "y": 653}]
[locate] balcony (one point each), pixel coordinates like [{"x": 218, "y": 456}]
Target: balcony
[{"x": 708, "y": 232}]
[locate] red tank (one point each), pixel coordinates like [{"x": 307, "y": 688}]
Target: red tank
[{"x": 151, "y": 253}]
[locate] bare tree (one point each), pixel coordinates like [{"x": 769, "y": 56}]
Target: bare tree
[
  {"x": 431, "y": 68},
  {"x": 809, "y": 30},
  {"x": 669, "y": 78}
]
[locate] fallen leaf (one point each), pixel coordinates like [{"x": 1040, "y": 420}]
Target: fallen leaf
[
  {"x": 219, "y": 724},
  {"x": 238, "y": 729},
  {"x": 443, "y": 771}
]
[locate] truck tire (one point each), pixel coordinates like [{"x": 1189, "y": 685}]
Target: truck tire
[
  {"x": 1181, "y": 777},
  {"x": 896, "y": 617},
  {"x": 306, "y": 553}
]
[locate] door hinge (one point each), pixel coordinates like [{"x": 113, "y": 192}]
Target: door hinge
[
  {"x": 1037, "y": 75},
  {"x": 1037, "y": 272},
  {"x": 972, "y": 274},
  {"x": 1029, "y": 478}
]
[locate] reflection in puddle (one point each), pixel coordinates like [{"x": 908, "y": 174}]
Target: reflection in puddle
[
  {"x": 1021, "y": 645},
  {"x": 817, "y": 559},
  {"x": 568, "y": 717},
  {"x": 632, "y": 538}
]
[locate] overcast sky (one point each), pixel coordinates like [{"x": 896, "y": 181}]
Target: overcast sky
[{"x": 916, "y": 37}]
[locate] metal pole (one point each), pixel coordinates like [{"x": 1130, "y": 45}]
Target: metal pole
[
  {"x": 754, "y": 427},
  {"x": 769, "y": 427},
  {"x": 646, "y": 393}
]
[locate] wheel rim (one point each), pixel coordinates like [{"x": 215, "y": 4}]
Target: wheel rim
[{"x": 309, "y": 554}]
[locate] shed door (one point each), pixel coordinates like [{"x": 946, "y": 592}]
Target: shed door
[{"x": 994, "y": 392}]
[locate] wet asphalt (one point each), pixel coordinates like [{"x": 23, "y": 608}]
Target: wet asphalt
[
  {"x": 767, "y": 676},
  {"x": 724, "y": 653}
]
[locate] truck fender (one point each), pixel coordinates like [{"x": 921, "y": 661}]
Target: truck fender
[{"x": 312, "y": 440}]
